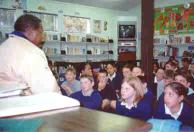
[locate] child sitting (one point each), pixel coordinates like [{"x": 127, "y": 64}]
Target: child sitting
[
  {"x": 185, "y": 79},
  {"x": 87, "y": 96},
  {"x": 173, "y": 106},
  {"x": 106, "y": 91},
  {"x": 71, "y": 85},
  {"x": 133, "y": 103},
  {"x": 126, "y": 70},
  {"x": 137, "y": 71}
]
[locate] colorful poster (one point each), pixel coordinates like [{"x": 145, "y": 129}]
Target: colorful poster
[{"x": 174, "y": 19}]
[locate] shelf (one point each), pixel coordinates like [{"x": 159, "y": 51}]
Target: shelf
[
  {"x": 78, "y": 49},
  {"x": 98, "y": 54},
  {"x": 53, "y": 42},
  {"x": 175, "y": 45},
  {"x": 167, "y": 57},
  {"x": 127, "y": 46},
  {"x": 76, "y": 43}
]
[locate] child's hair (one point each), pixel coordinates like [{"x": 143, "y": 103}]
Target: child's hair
[
  {"x": 83, "y": 67},
  {"x": 172, "y": 63},
  {"x": 142, "y": 71},
  {"x": 142, "y": 78},
  {"x": 112, "y": 64},
  {"x": 169, "y": 74},
  {"x": 186, "y": 74},
  {"x": 89, "y": 77},
  {"x": 187, "y": 60},
  {"x": 103, "y": 71},
  {"x": 70, "y": 69},
  {"x": 128, "y": 66},
  {"x": 137, "y": 85},
  {"x": 178, "y": 88}
]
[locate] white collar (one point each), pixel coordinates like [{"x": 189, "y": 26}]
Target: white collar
[
  {"x": 111, "y": 77},
  {"x": 174, "y": 115},
  {"x": 128, "y": 106},
  {"x": 155, "y": 80},
  {"x": 88, "y": 93},
  {"x": 190, "y": 91}
]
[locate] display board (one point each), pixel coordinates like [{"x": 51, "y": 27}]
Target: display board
[{"x": 174, "y": 19}]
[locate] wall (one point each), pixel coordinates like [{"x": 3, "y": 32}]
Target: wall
[
  {"x": 136, "y": 12},
  {"x": 164, "y": 3},
  {"x": 61, "y": 8}
]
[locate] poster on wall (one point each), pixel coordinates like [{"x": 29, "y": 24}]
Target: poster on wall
[
  {"x": 19, "y": 4},
  {"x": 74, "y": 24},
  {"x": 49, "y": 21},
  {"x": 7, "y": 17},
  {"x": 97, "y": 26},
  {"x": 174, "y": 19}
]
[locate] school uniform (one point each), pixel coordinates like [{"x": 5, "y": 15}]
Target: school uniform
[
  {"x": 142, "y": 110},
  {"x": 116, "y": 80},
  {"x": 108, "y": 92},
  {"x": 191, "y": 98},
  {"x": 185, "y": 113},
  {"x": 148, "y": 96},
  {"x": 92, "y": 101}
]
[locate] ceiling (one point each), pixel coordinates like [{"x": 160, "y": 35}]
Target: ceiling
[{"x": 122, "y": 5}]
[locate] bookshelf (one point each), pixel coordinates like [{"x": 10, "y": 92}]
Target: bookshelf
[{"x": 78, "y": 51}]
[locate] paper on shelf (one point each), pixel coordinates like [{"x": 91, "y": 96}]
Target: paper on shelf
[{"x": 35, "y": 103}]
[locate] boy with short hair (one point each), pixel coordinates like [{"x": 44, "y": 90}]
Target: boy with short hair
[
  {"x": 70, "y": 85},
  {"x": 88, "y": 97}
]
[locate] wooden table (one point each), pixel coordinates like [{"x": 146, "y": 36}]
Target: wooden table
[{"x": 81, "y": 119}]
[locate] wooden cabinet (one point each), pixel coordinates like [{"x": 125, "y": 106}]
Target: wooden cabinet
[{"x": 127, "y": 56}]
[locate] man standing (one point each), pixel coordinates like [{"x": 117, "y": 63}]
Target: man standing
[{"x": 21, "y": 59}]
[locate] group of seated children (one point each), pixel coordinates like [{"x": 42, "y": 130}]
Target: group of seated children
[{"x": 127, "y": 93}]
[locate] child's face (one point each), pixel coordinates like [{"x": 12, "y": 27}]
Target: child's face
[
  {"x": 168, "y": 80},
  {"x": 182, "y": 80},
  {"x": 87, "y": 70},
  {"x": 69, "y": 76},
  {"x": 86, "y": 84},
  {"x": 126, "y": 72},
  {"x": 110, "y": 69},
  {"x": 136, "y": 72},
  {"x": 169, "y": 67},
  {"x": 171, "y": 99},
  {"x": 102, "y": 77},
  {"x": 160, "y": 74},
  {"x": 155, "y": 67},
  {"x": 127, "y": 91}
]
